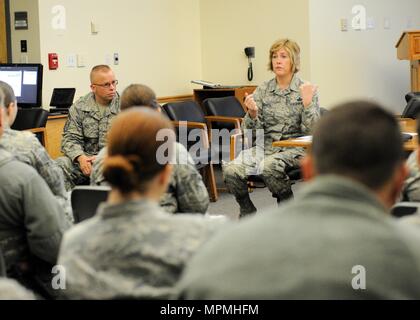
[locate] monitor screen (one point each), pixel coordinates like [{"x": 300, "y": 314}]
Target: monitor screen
[
  {"x": 26, "y": 81},
  {"x": 62, "y": 97}
]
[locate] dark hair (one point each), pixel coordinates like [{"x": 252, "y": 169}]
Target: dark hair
[
  {"x": 132, "y": 149},
  {"x": 9, "y": 95},
  {"x": 360, "y": 140},
  {"x": 138, "y": 95}
]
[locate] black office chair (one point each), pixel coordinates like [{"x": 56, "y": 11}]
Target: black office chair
[
  {"x": 86, "y": 199},
  {"x": 405, "y": 208},
  {"x": 189, "y": 115},
  {"x": 225, "y": 113},
  {"x": 411, "y": 95},
  {"x": 34, "y": 120},
  {"x": 412, "y": 109}
]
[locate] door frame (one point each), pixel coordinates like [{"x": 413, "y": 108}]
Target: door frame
[{"x": 8, "y": 30}]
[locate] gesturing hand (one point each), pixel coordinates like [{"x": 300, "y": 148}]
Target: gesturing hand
[
  {"x": 251, "y": 105},
  {"x": 307, "y": 92}
]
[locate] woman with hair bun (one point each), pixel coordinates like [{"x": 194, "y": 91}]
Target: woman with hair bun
[{"x": 131, "y": 248}]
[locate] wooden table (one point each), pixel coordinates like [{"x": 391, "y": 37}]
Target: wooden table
[{"x": 407, "y": 125}]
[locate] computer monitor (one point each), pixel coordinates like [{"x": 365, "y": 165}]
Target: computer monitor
[
  {"x": 26, "y": 81},
  {"x": 62, "y": 97}
]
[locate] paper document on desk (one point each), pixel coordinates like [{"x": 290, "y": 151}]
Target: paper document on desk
[{"x": 305, "y": 138}]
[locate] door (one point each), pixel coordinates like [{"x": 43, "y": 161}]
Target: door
[{"x": 3, "y": 34}]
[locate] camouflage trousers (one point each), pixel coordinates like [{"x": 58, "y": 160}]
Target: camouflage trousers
[
  {"x": 73, "y": 176},
  {"x": 270, "y": 166}
]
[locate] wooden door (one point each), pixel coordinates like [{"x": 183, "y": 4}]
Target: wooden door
[{"x": 3, "y": 35}]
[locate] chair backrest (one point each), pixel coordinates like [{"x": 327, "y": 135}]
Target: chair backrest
[
  {"x": 412, "y": 109},
  {"x": 86, "y": 199},
  {"x": 224, "y": 107},
  {"x": 411, "y": 95},
  {"x": 184, "y": 111},
  {"x": 30, "y": 118},
  {"x": 405, "y": 208}
]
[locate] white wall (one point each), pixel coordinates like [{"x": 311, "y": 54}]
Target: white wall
[
  {"x": 31, "y": 35},
  {"x": 362, "y": 64},
  {"x": 228, "y": 26},
  {"x": 158, "y": 42}
]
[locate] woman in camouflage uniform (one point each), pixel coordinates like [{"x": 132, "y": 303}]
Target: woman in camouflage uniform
[{"x": 281, "y": 108}]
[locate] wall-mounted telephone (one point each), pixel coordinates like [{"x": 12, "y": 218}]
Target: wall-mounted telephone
[{"x": 250, "y": 53}]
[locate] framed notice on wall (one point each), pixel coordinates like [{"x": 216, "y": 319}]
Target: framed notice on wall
[{"x": 21, "y": 20}]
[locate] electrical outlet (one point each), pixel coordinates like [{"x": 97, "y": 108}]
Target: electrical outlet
[
  {"x": 116, "y": 59},
  {"x": 81, "y": 60}
]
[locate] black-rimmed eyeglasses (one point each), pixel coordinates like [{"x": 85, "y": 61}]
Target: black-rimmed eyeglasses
[{"x": 107, "y": 85}]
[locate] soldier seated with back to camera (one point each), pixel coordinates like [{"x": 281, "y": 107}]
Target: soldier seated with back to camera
[
  {"x": 31, "y": 221},
  {"x": 26, "y": 148},
  {"x": 186, "y": 191},
  {"x": 132, "y": 248}
]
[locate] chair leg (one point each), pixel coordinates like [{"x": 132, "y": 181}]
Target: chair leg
[{"x": 211, "y": 182}]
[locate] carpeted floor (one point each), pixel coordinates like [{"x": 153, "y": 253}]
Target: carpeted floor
[{"x": 226, "y": 204}]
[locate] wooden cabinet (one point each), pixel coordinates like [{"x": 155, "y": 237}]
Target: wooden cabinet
[
  {"x": 202, "y": 94},
  {"x": 408, "y": 48},
  {"x": 54, "y": 132}
]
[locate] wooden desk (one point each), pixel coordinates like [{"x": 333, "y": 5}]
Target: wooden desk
[
  {"x": 54, "y": 132},
  {"x": 202, "y": 94},
  {"x": 407, "y": 125}
]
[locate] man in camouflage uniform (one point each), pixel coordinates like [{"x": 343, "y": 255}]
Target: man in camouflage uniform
[
  {"x": 281, "y": 109},
  {"x": 26, "y": 148},
  {"x": 31, "y": 221},
  {"x": 186, "y": 191},
  {"x": 87, "y": 125}
]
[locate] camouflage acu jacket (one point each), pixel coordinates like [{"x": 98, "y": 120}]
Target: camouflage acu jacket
[
  {"x": 281, "y": 113},
  {"x": 86, "y": 128}
]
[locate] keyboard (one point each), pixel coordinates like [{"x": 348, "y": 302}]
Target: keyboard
[{"x": 58, "y": 111}]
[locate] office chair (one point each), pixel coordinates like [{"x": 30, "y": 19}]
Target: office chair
[
  {"x": 411, "y": 95},
  {"x": 33, "y": 120},
  {"x": 188, "y": 115},
  {"x": 412, "y": 109},
  {"x": 223, "y": 113},
  {"x": 405, "y": 208},
  {"x": 86, "y": 199}
]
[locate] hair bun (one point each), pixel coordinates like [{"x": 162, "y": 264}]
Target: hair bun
[{"x": 119, "y": 171}]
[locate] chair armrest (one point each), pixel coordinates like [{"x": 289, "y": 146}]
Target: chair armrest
[
  {"x": 195, "y": 125},
  {"x": 234, "y": 140},
  {"x": 234, "y": 120},
  {"x": 211, "y": 119}
]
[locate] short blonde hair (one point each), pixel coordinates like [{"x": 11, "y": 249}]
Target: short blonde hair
[
  {"x": 291, "y": 47},
  {"x": 98, "y": 68}
]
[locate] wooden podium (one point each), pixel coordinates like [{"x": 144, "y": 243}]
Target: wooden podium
[{"x": 408, "y": 48}]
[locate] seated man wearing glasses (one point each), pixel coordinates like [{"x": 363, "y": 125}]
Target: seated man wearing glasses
[{"x": 87, "y": 125}]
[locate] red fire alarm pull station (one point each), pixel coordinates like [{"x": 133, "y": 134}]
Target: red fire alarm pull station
[{"x": 53, "y": 61}]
